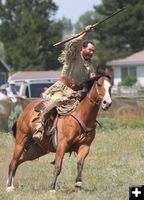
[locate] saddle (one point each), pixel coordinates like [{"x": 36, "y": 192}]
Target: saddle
[
  {"x": 49, "y": 120},
  {"x": 39, "y": 107}
]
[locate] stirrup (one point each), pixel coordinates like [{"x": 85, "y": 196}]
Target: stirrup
[{"x": 38, "y": 134}]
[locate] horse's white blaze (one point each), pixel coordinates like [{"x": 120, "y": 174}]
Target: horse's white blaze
[{"x": 106, "y": 99}]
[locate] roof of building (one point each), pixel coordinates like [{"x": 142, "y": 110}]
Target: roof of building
[
  {"x": 134, "y": 59},
  {"x": 34, "y": 75}
]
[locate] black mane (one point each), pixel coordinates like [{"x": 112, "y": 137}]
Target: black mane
[
  {"x": 90, "y": 82},
  {"x": 88, "y": 85}
]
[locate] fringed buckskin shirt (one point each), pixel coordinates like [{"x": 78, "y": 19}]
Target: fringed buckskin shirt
[{"x": 76, "y": 69}]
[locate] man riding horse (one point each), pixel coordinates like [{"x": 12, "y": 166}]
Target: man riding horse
[
  {"x": 77, "y": 70},
  {"x": 75, "y": 131}
]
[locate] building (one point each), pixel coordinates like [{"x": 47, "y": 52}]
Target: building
[
  {"x": 4, "y": 71},
  {"x": 21, "y": 76},
  {"x": 132, "y": 65}
]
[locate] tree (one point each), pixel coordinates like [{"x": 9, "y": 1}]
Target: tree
[
  {"x": 2, "y": 54},
  {"x": 67, "y": 28},
  {"x": 87, "y": 18},
  {"x": 121, "y": 35},
  {"x": 28, "y": 31}
]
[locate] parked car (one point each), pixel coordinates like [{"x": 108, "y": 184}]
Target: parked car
[{"x": 33, "y": 88}]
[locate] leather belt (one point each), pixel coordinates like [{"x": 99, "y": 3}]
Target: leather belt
[{"x": 69, "y": 84}]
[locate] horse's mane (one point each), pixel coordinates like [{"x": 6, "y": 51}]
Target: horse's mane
[{"x": 91, "y": 81}]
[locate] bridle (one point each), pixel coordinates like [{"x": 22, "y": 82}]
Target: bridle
[
  {"x": 99, "y": 98},
  {"x": 97, "y": 101}
]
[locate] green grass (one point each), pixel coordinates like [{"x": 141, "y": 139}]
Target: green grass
[
  {"x": 136, "y": 124},
  {"x": 115, "y": 161}
]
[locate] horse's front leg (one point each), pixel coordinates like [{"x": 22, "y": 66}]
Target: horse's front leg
[
  {"x": 81, "y": 155},
  {"x": 60, "y": 151}
]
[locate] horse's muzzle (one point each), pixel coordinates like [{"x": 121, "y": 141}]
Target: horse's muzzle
[{"x": 105, "y": 105}]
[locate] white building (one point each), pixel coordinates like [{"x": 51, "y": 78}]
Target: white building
[{"x": 132, "y": 65}]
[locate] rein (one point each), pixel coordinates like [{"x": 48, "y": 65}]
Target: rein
[
  {"x": 84, "y": 127},
  {"x": 95, "y": 102}
]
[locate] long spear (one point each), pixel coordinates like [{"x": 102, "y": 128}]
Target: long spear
[{"x": 93, "y": 26}]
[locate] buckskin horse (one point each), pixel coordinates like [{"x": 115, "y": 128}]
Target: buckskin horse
[{"x": 74, "y": 133}]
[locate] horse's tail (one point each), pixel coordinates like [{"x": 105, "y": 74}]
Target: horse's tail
[{"x": 14, "y": 129}]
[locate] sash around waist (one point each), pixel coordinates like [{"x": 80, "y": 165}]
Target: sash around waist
[{"x": 69, "y": 84}]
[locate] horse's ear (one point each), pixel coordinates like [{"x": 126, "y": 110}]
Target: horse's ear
[
  {"x": 108, "y": 71},
  {"x": 103, "y": 71},
  {"x": 99, "y": 71}
]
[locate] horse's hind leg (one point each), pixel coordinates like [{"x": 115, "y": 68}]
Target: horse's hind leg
[
  {"x": 19, "y": 147},
  {"x": 81, "y": 155}
]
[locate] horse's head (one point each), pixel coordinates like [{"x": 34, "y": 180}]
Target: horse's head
[{"x": 101, "y": 92}]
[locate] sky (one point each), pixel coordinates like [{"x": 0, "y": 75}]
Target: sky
[{"x": 73, "y": 9}]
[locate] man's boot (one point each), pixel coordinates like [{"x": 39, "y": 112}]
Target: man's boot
[{"x": 38, "y": 134}]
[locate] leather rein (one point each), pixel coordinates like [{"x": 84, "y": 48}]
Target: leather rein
[{"x": 97, "y": 102}]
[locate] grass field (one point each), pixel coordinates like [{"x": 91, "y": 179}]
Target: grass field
[{"x": 115, "y": 162}]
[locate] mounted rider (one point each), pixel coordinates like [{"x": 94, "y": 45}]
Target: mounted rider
[{"x": 77, "y": 70}]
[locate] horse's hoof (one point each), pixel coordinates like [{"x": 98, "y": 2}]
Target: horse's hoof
[
  {"x": 10, "y": 189},
  {"x": 79, "y": 184},
  {"x": 53, "y": 191}
]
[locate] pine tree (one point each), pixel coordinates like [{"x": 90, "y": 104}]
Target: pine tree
[
  {"x": 28, "y": 31},
  {"x": 121, "y": 35}
]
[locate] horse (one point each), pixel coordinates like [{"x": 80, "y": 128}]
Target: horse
[
  {"x": 75, "y": 132},
  {"x": 6, "y": 109}
]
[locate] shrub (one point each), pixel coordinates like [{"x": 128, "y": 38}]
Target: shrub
[
  {"x": 135, "y": 124},
  {"x": 129, "y": 81},
  {"x": 108, "y": 123}
]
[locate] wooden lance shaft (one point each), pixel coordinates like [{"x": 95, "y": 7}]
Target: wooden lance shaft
[{"x": 93, "y": 26}]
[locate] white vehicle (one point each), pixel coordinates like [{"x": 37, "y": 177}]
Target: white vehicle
[{"x": 34, "y": 88}]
